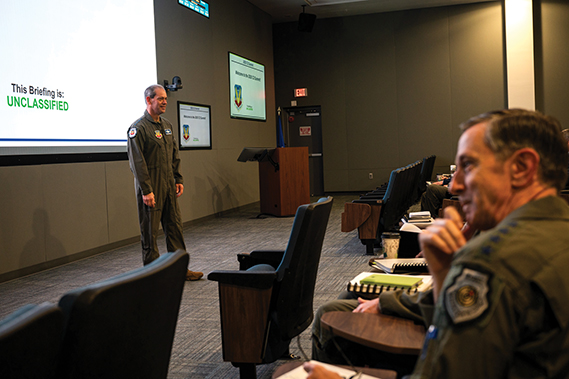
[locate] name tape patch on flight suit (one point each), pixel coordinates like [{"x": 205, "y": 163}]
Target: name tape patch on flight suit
[
  {"x": 132, "y": 132},
  {"x": 467, "y": 298}
]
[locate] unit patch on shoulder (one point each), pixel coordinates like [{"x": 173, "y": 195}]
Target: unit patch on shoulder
[
  {"x": 467, "y": 298},
  {"x": 168, "y": 132},
  {"x": 158, "y": 134},
  {"x": 132, "y": 132}
]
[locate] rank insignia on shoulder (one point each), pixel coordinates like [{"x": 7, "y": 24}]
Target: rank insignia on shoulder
[
  {"x": 467, "y": 298},
  {"x": 131, "y": 132},
  {"x": 158, "y": 134},
  {"x": 168, "y": 132}
]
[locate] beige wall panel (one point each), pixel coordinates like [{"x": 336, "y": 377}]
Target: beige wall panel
[
  {"x": 555, "y": 22},
  {"x": 76, "y": 208},
  {"x": 267, "y": 134},
  {"x": 334, "y": 140},
  {"x": 22, "y": 232},
  {"x": 201, "y": 170},
  {"x": 88, "y": 206},
  {"x": 423, "y": 83},
  {"x": 230, "y": 185},
  {"x": 121, "y": 203},
  {"x": 475, "y": 56},
  {"x": 386, "y": 83},
  {"x": 336, "y": 179},
  {"x": 212, "y": 180},
  {"x": 371, "y": 131},
  {"x": 361, "y": 178},
  {"x": 241, "y": 132},
  {"x": 317, "y": 61},
  {"x": 247, "y": 187}
]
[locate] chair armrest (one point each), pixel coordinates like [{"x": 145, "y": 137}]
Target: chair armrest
[
  {"x": 251, "y": 279},
  {"x": 368, "y": 201},
  {"x": 354, "y": 216},
  {"x": 244, "y": 304},
  {"x": 363, "y": 215},
  {"x": 270, "y": 257}
]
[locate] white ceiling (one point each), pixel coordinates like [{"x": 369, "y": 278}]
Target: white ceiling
[{"x": 288, "y": 10}]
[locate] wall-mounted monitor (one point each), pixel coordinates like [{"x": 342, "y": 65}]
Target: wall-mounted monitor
[
  {"x": 247, "y": 88},
  {"x": 194, "y": 126},
  {"x": 70, "y": 84},
  {"x": 198, "y": 6}
]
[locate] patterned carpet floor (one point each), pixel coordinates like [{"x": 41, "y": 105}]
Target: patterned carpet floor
[{"x": 213, "y": 245}]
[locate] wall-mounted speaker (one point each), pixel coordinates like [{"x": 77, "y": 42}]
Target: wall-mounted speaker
[{"x": 306, "y": 22}]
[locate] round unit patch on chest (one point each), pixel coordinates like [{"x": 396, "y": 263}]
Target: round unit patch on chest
[{"x": 467, "y": 298}]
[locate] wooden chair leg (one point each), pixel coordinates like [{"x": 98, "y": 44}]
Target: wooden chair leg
[
  {"x": 369, "y": 247},
  {"x": 247, "y": 371}
]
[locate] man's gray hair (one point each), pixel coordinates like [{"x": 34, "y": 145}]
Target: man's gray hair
[
  {"x": 512, "y": 129},
  {"x": 151, "y": 91}
]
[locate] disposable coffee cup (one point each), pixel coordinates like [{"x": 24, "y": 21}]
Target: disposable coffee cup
[{"x": 390, "y": 244}]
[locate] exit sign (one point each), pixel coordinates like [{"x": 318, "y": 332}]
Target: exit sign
[{"x": 301, "y": 92}]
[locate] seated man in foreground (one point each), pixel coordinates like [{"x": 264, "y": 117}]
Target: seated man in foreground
[{"x": 498, "y": 307}]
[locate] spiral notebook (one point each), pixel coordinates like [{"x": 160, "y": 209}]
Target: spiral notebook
[
  {"x": 401, "y": 281},
  {"x": 391, "y": 282},
  {"x": 401, "y": 265}
]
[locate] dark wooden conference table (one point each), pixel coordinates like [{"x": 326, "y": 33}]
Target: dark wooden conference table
[{"x": 382, "y": 332}]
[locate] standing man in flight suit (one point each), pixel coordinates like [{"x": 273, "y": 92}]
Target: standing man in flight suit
[{"x": 155, "y": 163}]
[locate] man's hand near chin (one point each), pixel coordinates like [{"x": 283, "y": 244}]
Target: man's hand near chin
[{"x": 439, "y": 242}]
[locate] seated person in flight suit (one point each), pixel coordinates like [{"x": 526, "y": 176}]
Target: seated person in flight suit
[
  {"x": 432, "y": 198},
  {"x": 498, "y": 307}
]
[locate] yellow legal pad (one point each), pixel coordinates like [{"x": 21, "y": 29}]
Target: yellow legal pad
[{"x": 392, "y": 280}]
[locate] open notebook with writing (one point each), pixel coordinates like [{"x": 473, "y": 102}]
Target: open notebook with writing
[
  {"x": 372, "y": 283},
  {"x": 300, "y": 373}
]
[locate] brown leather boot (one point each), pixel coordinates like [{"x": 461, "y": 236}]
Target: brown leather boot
[{"x": 193, "y": 275}]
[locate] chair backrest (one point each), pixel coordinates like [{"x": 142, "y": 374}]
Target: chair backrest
[
  {"x": 296, "y": 275},
  {"x": 412, "y": 191},
  {"x": 123, "y": 327},
  {"x": 30, "y": 341},
  {"x": 399, "y": 195},
  {"x": 426, "y": 172}
]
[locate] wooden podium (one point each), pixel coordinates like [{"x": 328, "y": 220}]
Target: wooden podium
[{"x": 284, "y": 189}]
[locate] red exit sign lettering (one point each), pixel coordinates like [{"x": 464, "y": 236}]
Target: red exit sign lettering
[{"x": 301, "y": 92}]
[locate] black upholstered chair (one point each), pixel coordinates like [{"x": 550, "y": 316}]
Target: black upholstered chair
[
  {"x": 30, "y": 341},
  {"x": 426, "y": 173},
  {"x": 123, "y": 327},
  {"x": 381, "y": 209},
  {"x": 400, "y": 196},
  {"x": 269, "y": 300}
]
